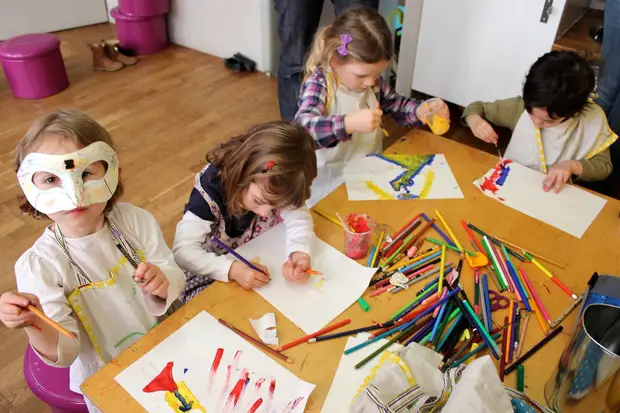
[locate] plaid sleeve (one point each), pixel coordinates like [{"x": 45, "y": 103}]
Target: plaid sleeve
[
  {"x": 401, "y": 108},
  {"x": 327, "y": 131}
]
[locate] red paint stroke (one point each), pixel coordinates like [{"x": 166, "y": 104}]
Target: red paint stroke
[
  {"x": 358, "y": 223},
  {"x": 255, "y": 406},
  {"x": 237, "y": 391},
  {"x": 272, "y": 388},
  {"x": 497, "y": 178},
  {"x": 259, "y": 383},
  {"x": 216, "y": 361},
  {"x": 292, "y": 405},
  {"x": 163, "y": 381},
  {"x": 238, "y": 355}
]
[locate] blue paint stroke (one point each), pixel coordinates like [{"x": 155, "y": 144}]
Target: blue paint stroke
[
  {"x": 502, "y": 177},
  {"x": 398, "y": 186},
  {"x": 185, "y": 371}
]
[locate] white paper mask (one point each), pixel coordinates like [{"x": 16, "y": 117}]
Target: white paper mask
[{"x": 73, "y": 192}]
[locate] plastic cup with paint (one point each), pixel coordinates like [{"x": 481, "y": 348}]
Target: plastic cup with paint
[
  {"x": 436, "y": 118},
  {"x": 358, "y": 235}
]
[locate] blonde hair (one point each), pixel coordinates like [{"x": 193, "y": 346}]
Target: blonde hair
[
  {"x": 69, "y": 124},
  {"x": 278, "y": 155},
  {"x": 371, "y": 40}
]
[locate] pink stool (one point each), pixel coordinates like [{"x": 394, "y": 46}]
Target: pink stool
[
  {"x": 51, "y": 385},
  {"x": 144, "y": 35},
  {"x": 33, "y": 65},
  {"x": 144, "y": 8}
]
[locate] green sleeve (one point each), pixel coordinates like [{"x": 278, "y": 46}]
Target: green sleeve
[
  {"x": 596, "y": 168},
  {"x": 505, "y": 112}
]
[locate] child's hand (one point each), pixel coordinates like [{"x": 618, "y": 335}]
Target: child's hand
[
  {"x": 13, "y": 312},
  {"x": 481, "y": 129},
  {"x": 431, "y": 105},
  {"x": 152, "y": 280},
  {"x": 294, "y": 270},
  {"x": 246, "y": 276},
  {"x": 363, "y": 121},
  {"x": 560, "y": 173}
]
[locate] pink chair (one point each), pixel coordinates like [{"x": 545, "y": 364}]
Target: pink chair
[
  {"x": 143, "y": 35},
  {"x": 144, "y": 8},
  {"x": 33, "y": 65},
  {"x": 51, "y": 385}
]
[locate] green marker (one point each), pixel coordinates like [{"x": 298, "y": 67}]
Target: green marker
[
  {"x": 521, "y": 378},
  {"x": 365, "y": 306}
]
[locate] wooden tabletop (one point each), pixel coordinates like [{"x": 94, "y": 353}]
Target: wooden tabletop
[{"x": 597, "y": 251}]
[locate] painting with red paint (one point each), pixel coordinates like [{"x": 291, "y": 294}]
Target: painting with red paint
[
  {"x": 572, "y": 210},
  {"x": 205, "y": 367}
]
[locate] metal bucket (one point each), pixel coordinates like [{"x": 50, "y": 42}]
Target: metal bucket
[{"x": 582, "y": 378}]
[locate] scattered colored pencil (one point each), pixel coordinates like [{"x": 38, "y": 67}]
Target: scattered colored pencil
[
  {"x": 476, "y": 293},
  {"x": 447, "y": 227},
  {"x": 494, "y": 262},
  {"x": 486, "y": 302},
  {"x": 322, "y": 331},
  {"x": 327, "y": 216},
  {"x": 415, "y": 221},
  {"x": 41, "y": 316},
  {"x": 371, "y": 256},
  {"x": 437, "y": 242},
  {"x": 375, "y": 259},
  {"x": 471, "y": 235},
  {"x": 524, "y": 250},
  {"x": 237, "y": 255},
  {"x": 348, "y": 333},
  {"x": 521, "y": 378},
  {"x": 473, "y": 352},
  {"x": 534, "y": 295},
  {"x": 254, "y": 341},
  {"x": 436, "y": 228},
  {"x": 513, "y": 331},
  {"x": 384, "y": 347},
  {"x": 521, "y": 290},
  {"x": 494, "y": 241},
  {"x": 502, "y": 364},
  {"x": 551, "y": 276},
  {"x": 534, "y": 349},
  {"x": 441, "y": 269},
  {"x": 525, "y": 321}
]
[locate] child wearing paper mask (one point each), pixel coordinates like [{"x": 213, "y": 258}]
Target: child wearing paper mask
[
  {"x": 249, "y": 183},
  {"x": 555, "y": 128},
  {"x": 344, "y": 96},
  {"x": 101, "y": 269}
]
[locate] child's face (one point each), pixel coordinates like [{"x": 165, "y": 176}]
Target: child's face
[
  {"x": 254, "y": 200},
  {"x": 78, "y": 217},
  {"x": 358, "y": 76},
  {"x": 541, "y": 119}
]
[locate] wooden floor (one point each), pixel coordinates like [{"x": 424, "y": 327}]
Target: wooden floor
[{"x": 164, "y": 114}]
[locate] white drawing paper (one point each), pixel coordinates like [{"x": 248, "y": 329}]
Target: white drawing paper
[
  {"x": 572, "y": 210},
  {"x": 348, "y": 379},
  {"x": 400, "y": 177},
  {"x": 214, "y": 370},
  {"x": 313, "y": 305}
]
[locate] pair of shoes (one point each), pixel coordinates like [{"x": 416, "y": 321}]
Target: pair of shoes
[
  {"x": 240, "y": 63},
  {"x": 108, "y": 58}
]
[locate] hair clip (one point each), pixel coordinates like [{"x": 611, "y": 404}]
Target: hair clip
[
  {"x": 343, "y": 49},
  {"x": 269, "y": 166},
  {"x": 69, "y": 164}
]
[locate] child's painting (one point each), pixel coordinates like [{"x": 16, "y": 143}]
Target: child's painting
[
  {"x": 313, "y": 305},
  {"x": 519, "y": 187},
  {"x": 400, "y": 177},
  {"x": 205, "y": 368}
]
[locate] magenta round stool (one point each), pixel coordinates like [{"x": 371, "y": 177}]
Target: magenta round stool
[
  {"x": 33, "y": 65},
  {"x": 144, "y": 8},
  {"x": 144, "y": 35},
  {"x": 51, "y": 385}
]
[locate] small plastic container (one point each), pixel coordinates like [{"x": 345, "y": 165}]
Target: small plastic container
[
  {"x": 356, "y": 244},
  {"x": 436, "y": 119}
]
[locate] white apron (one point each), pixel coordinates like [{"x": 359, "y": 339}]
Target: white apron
[
  {"x": 331, "y": 161},
  {"x": 580, "y": 137}
]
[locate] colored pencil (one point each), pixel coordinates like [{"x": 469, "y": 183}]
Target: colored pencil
[
  {"x": 400, "y": 265},
  {"x": 494, "y": 263},
  {"x": 521, "y": 378},
  {"x": 524, "y": 250},
  {"x": 453, "y": 248},
  {"x": 502, "y": 364},
  {"x": 471, "y": 235},
  {"x": 415, "y": 280},
  {"x": 384, "y": 347},
  {"x": 502, "y": 264},
  {"x": 389, "y": 286},
  {"x": 551, "y": 276},
  {"x": 476, "y": 293},
  {"x": 534, "y": 294},
  {"x": 566, "y": 312},
  {"x": 443, "y": 340},
  {"x": 413, "y": 250},
  {"x": 494, "y": 241},
  {"x": 478, "y": 349},
  {"x": 348, "y": 333},
  {"x": 322, "y": 331},
  {"x": 371, "y": 256},
  {"x": 254, "y": 341},
  {"x": 41, "y": 316},
  {"x": 484, "y": 302},
  {"x": 375, "y": 259},
  {"x": 507, "y": 263},
  {"x": 541, "y": 321},
  {"x": 418, "y": 263},
  {"x": 385, "y": 279},
  {"x": 418, "y": 297},
  {"x": 525, "y": 321},
  {"x": 236, "y": 255},
  {"x": 415, "y": 221},
  {"x": 436, "y": 228},
  {"x": 441, "y": 268},
  {"x": 534, "y": 349},
  {"x": 447, "y": 227},
  {"x": 327, "y": 216},
  {"x": 513, "y": 331},
  {"x": 509, "y": 336},
  {"x": 520, "y": 287}
]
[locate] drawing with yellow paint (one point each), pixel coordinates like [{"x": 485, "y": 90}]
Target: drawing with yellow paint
[
  {"x": 400, "y": 177},
  {"x": 178, "y": 395}
]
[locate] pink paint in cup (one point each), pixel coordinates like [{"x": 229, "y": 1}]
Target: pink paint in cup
[{"x": 358, "y": 235}]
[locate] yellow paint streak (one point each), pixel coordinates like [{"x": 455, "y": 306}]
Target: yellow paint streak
[
  {"x": 174, "y": 403},
  {"x": 378, "y": 191},
  {"x": 428, "y": 184}
]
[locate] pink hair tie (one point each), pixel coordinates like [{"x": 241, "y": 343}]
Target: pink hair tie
[{"x": 343, "y": 48}]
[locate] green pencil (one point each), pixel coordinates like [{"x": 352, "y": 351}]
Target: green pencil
[
  {"x": 452, "y": 247},
  {"x": 385, "y": 346},
  {"x": 494, "y": 264}
]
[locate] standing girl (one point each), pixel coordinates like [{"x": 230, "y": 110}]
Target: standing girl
[
  {"x": 344, "y": 97},
  {"x": 101, "y": 270},
  {"x": 250, "y": 181}
]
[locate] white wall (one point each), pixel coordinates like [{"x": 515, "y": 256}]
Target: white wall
[{"x": 111, "y": 4}]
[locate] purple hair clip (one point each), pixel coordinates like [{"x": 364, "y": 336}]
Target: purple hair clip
[{"x": 343, "y": 48}]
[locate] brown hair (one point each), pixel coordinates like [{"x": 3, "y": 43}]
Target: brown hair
[
  {"x": 278, "y": 155},
  {"x": 69, "y": 124},
  {"x": 371, "y": 40}
]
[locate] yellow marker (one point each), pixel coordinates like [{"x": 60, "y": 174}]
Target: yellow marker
[
  {"x": 441, "y": 270},
  {"x": 445, "y": 224}
]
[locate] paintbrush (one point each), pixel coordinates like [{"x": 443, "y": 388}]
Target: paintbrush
[{"x": 499, "y": 153}]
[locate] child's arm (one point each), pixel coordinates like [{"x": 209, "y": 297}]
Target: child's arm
[
  {"x": 504, "y": 112},
  {"x": 299, "y": 234},
  {"x": 41, "y": 279},
  {"x": 596, "y": 168},
  {"x": 327, "y": 131},
  {"x": 401, "y": 108}
]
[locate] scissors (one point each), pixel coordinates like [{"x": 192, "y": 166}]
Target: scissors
[{"x": 498, "y": 301}]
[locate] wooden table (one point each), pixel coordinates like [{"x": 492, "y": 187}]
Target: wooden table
[{"x": 598, "y": 250}]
